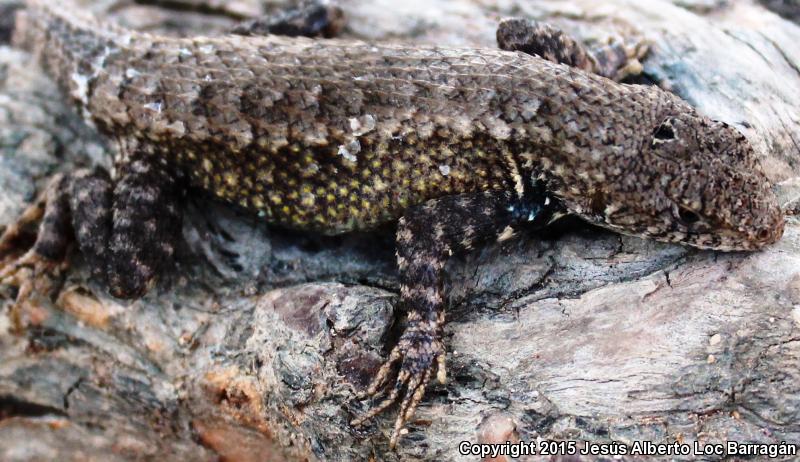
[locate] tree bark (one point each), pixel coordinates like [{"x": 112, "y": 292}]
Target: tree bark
[{"x": 254, "y": 346}]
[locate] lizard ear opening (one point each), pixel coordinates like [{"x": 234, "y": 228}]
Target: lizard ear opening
[{"x": 687, "y": 217}]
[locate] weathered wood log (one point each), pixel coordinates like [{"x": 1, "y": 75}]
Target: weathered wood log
[{"x": 254, "y": 348}]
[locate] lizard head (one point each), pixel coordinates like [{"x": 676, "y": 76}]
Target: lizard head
[{"x": 694, "y": 181}]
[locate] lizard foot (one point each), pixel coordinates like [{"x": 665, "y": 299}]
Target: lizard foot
[
  {"x": 31, "y": 273},
  {"x": 37, "y": 270},
  {"x": 613, "y": 59},
  {"x": 620, "y": 60},
  {"x": 17, "y": 231},
  {"x": 311, "y": 19},
  {"x": 417, "y": 351}
]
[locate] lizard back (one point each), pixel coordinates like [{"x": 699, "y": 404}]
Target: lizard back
[
  {"x": 336, "y": 135},
  {"x": 332, "y": 135}
]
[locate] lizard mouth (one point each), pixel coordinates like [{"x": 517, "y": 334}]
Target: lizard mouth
[
  {"x": 735, "y": 231},
  {"x": 770, "y": 234},
  {"x": 734, "y": 240}
]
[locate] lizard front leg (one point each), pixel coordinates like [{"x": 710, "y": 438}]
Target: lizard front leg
[{"x": 427, "y": 235}]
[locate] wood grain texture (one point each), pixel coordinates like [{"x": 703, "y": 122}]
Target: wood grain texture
[{"x": 584, "y": 335}]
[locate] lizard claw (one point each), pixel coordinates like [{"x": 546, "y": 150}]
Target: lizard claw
[
  {"x": 30, "y": 270},
  {"x": 419, "y": 351},
  {"x": 31, "y": 273}
]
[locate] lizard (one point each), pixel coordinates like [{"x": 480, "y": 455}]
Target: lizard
[{"x": 458, "y": 146}]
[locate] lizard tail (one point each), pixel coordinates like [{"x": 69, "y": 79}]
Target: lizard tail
[{"x": 70, "y": 44}]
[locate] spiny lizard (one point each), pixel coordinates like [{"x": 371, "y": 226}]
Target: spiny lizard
[{"x": 459, "y": 145}]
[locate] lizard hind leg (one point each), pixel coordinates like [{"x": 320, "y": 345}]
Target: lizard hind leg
[
  {"x": 126, "y": 231},
  {"x": 145, "y": 227},
  {"x": 90, "y": 193}
]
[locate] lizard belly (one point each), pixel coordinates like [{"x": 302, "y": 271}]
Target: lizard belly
[{"x": 335, "y": 189}]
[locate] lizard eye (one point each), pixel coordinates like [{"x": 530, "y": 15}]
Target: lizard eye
[{"x": 664, "y": 132}]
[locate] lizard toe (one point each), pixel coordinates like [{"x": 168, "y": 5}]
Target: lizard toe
[
  {"x": 37, "y": 268},
  {"x": 30, "y": 274},
  {"x": 420, "y": 352}
]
